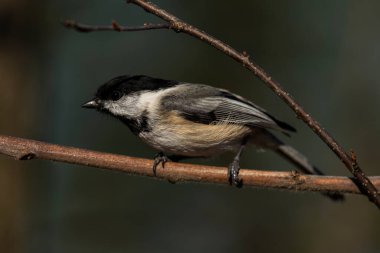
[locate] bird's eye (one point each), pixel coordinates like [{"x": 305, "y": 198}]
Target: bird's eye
[{"x": 116, "y": 95}]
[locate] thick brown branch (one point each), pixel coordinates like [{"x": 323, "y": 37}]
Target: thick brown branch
[
  {"x": 113, "y": 27},
  {"x": 23, "y": 149}
]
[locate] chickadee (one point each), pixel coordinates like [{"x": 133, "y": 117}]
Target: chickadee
[{"x": 194, "y": 120}]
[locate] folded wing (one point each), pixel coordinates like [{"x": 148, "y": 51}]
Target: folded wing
[{"x": 208, "y": 105}]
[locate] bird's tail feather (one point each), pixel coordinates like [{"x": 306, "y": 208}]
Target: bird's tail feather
[
  {"x": 270, "y": 141},
  {"x": 295, "y": 157},
  {"x": 302, "y": 163}
]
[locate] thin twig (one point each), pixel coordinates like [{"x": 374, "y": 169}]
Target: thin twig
[
  {"x": 24, "y": 149},
  {"x": 178, "y": 25},
  {"x": 113, "y": 27}
]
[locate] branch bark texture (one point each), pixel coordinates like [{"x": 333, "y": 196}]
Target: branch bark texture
[{"x": 24, "y": 149}]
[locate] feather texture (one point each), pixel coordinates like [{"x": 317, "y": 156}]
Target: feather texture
[{"x": 204, "y": 104}]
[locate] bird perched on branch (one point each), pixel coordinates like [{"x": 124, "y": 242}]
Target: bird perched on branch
[{"x": 184, "y": 120}]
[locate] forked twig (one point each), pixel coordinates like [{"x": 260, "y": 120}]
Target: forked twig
[{"x": 178, "y": 25}]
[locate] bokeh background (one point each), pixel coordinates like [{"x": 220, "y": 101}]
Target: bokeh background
[{"x": 327, "y": 55}]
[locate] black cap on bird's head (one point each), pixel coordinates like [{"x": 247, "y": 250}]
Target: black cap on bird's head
[{"x": 120, "y": 86}]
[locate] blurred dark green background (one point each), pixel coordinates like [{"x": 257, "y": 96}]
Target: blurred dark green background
[{"x": 326, "y": 54}]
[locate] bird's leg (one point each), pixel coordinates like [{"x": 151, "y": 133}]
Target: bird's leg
[
  {"x": 162, "y": 158},
  {"x": 159, "y": 158},
  {"x": 234, "y": 167}
]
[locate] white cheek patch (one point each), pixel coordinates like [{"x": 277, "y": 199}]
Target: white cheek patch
[
  {"x": 133, "y": 106},
  {"x": 149, "y": 100},
  {"x": 125, "y": 106}
]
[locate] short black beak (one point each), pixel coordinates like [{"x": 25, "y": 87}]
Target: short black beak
[{"x": 92, "y": 104}]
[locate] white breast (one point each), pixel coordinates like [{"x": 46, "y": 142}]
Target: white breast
[{"x": 174, "y": 135}]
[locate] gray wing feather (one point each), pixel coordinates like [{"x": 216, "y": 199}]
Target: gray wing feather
[{"x": 209, "y": 105}]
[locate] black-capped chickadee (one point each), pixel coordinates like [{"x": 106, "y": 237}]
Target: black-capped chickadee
[{"x": 194, "y": 120}]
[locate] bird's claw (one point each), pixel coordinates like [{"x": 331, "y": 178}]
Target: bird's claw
[
  {"x": 233, "y": 174},
  {"x": 159, "y": 158}
]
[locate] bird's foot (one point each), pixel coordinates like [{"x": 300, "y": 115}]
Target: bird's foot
[
  {"x": 233, "y": 174},
  {"x": 159, "y": 158}
]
